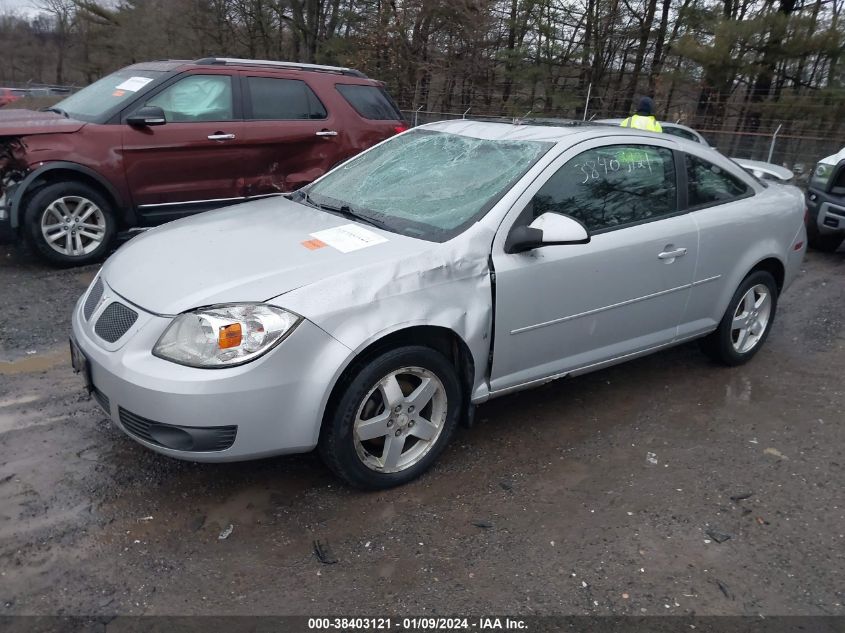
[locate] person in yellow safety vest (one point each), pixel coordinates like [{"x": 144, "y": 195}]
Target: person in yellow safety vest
[{"x": 644, "y": 118}]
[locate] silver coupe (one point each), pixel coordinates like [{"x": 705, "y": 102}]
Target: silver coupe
[{"x": 369, "y": 313}]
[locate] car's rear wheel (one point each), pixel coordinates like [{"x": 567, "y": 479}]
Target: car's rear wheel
[
  {"x": 826, "y": 243},
  {"x": 393, "y": 418},
  {"x": 70, "y": 223},
  {"x": 747, "y": 321}
]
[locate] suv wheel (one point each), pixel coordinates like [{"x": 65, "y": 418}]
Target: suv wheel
[
  {"x": 747, "y": 321},
  {"x": 70, "y": 223},
  {"x": 393, "y": 418}
]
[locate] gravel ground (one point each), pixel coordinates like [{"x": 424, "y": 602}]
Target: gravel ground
[{"x": 548, "y": 505}]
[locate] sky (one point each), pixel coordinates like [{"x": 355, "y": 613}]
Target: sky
[{"x": 21, "y": 7}]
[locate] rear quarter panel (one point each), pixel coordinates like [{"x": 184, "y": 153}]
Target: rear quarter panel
[{"x": 733, "y": 239}]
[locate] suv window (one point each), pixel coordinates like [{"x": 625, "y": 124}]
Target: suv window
[
  {"x": 197, "y": 98},
  {"x": 709, "y": 184},
  {"x": 283, "y": 99},
  {"x": 371, "y": 102},
  {"x": 612, "y": 186}
]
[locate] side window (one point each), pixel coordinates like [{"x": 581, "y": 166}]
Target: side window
[
  {"x": 612, "y": 186},
  {"x": 197, "y": 98},
  {"x": 283, "y": 99},
  {"x": 370, "y": 102},
  {"x": 709, "y": 184}
]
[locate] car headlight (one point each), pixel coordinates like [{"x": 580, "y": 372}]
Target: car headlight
[{"x": 225, "y": 335}]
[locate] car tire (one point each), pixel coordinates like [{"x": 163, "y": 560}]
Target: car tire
[
  {"x": 376, "y": 437},
  {"x": 746, "y": 323},
  {"x": 70, "y": 223},
  {"x": 828, "y": 243}
]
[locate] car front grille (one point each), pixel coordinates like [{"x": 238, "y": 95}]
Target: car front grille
[
  {"x": 185, "y": 438},
  {"x": 115, "y": 321},
  {"x": 93, "y": 298}
]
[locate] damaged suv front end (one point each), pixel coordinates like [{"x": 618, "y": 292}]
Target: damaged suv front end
[{"x": 13, "y": 169}]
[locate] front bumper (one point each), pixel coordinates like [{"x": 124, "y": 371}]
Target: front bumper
[
  {"x": 827, "y": 211},
  {"x": 271, "y": 406},
  {"x": 8, "y": 233}
]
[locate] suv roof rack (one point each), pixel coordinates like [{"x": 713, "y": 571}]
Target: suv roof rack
[{"x": 223, "y": 61}]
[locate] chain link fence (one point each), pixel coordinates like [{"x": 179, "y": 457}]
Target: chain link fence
[{"x": 798, "y": 153}]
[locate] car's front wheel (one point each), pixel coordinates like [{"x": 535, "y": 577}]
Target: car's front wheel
[
  {"x": 70, "y": 223},
  {"x": 393, "y": 419},
  {"x": 747, "y": 321}
]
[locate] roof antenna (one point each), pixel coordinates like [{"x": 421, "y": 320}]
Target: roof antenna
[{"x": 465, "y": 112}]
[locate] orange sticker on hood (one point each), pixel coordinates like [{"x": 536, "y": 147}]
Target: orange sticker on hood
[{"x": 313, "y": 245}]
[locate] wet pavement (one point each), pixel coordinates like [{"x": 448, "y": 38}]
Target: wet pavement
[{"x": 667, "y": 485}]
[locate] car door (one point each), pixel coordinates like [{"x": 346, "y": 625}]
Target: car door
[
  {"x": 292, "y": 137},
  {"x": 562, "y": 309},
  {"x": 193, "y": 160}
]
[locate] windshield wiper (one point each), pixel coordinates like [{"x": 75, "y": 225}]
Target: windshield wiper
[
  {"x": 57, "y": 111},
  {"x": 344, "y": 210}
]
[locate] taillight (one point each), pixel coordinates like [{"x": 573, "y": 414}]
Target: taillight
[{"x": 400, "y": 128}]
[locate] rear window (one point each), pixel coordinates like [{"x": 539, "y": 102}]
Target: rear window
[
  {"x": 283, "y": 99},
  {"x": 709, "y": 184},
  {"x": 371, "y": 102}
]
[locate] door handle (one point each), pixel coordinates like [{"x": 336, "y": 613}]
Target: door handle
[
  {"x": 220, "y": 136},
  {"x": 326, "y": 133},
  {"x": 680, "y": 252}
]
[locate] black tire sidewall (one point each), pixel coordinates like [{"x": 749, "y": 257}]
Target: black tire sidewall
[
  {"x": 337, "y": 444},
  {"x": 42, "y": 198},
  {"x": 723, "y": 339}
]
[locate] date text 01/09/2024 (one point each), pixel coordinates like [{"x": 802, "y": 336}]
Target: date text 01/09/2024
[{"x": 416, "y": 624}]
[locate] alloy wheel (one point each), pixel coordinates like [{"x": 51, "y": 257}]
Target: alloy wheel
[
  {"x": 399, "y": 420},
  {"x": 73, "y": 226},
  {"x": 751, "y": 318}
]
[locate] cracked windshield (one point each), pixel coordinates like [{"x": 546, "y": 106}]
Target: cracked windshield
[{"x": 428, "y": 184}]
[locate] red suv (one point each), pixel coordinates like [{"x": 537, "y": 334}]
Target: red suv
[{"x": 161, "y": 140}]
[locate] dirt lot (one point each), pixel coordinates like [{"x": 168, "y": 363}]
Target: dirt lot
[{"x": 548, "y": 505}]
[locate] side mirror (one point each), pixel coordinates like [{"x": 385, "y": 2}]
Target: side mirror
[
  {"x": 550, "y": 229},
  {"x": 147, "y": 116}
]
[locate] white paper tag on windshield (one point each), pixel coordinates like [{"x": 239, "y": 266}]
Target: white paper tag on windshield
[
  {"x": 134, "y": 84},
  {"x": 349, "y": 237}
]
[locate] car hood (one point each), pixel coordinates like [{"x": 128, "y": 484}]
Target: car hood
[
  {"x": 249, "y": 252},
  {"x": 28, "y": 122},
  {"x": 835, "y": 158}
]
